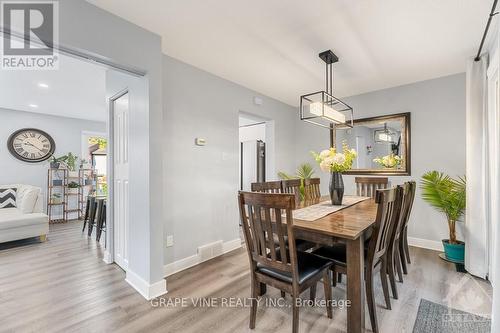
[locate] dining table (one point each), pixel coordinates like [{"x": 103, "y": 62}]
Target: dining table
[{"x": 349, "y": 225}]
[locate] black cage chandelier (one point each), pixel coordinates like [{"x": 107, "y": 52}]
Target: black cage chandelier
[{"x": 322, "y": 108}]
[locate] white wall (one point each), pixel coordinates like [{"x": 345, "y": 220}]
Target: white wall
[
  {"x": 66, "y": 132},
  {"x": 437, "y": 136},
  {"x": 85, "y": 27},
  {"x": 201, "y": 182}
]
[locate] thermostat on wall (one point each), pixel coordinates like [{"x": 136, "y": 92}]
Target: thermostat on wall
[{"x": 200, "y": 141}]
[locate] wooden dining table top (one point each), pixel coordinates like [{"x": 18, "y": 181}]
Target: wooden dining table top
[{"x": 347, "y": 223}]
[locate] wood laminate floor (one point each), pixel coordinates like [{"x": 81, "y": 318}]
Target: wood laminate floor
[{"x": 64, "y": 286}]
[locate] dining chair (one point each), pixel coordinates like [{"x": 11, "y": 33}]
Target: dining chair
[
  {"x": 267, "y": 187},
  {"x": 388, "y": 201},
  {"x": 311, "y": 189},
  {"x": 368, "y": 186},
  {"x": 395, "y": 252},
  {"x": 282, "y": 267},
  {"x": 292, "y": 186},
  {"x": 403, "y": 240}
]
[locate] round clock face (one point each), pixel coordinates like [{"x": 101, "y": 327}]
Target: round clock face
[{"x": 31, "y": 145}]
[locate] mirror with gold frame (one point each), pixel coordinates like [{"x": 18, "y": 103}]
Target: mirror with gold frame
[{"x": 382, "y": 143}]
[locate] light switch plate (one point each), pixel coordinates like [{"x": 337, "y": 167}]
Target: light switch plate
[{"x": 170, "y": 240}]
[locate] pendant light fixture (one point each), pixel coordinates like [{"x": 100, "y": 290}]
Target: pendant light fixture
[
  {"x": 322, "y": 108},
  {"x": 385, "y": 135}
]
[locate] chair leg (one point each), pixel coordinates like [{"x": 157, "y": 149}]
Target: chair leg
[
  {"x": 385, "y": 286},
  {"x": 370, "y": 299},
  {"x": 407, "y": 248},
  {"x": 334, "y": 275},
  {"x": 391, "y": 273},
  {"x": 312, "y": 292},
  {"x": 84, "y": 225},
  {"x": 262, "y": 289},
  {"x": 339, "y": 277},
  {"x": 295, "y": 320},
  {"x": 253, "y": 308},
  {"x": 402, "y": 255},
  {"x": 397, "y": 262},
  {"x": 283, "y": 294},
  {"x": 328, "y": 293}
]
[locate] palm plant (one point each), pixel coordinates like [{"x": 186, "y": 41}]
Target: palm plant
[
  {"x": 447, "y": 195},
  {"x": 304, "y": 171}
]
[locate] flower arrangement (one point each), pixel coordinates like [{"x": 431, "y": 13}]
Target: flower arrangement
[
  {"x": 390, "y": 161},
  {"x": 332, "y": 161}
]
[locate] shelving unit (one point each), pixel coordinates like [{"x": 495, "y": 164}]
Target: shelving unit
[
  {"x": 55, "y": 208},
  {"x": 72, "y": 203}
]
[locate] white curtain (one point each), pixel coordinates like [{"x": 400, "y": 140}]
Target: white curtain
[
  {"x": 493, "y": 154},
  {"x": 477, "y": 166}
]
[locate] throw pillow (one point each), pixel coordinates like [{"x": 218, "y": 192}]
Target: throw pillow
[{"x": 8, "y": 197}]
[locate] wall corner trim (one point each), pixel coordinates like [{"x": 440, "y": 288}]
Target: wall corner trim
[
  {"x": 188, "y": 262},
  {"x": 148, "y": 291},
  {"x": 425, "y": 243}
]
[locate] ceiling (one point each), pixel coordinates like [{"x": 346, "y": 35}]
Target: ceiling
[
  {"x": 76, "y": 90},
  {"x": 271, "y": 46}
]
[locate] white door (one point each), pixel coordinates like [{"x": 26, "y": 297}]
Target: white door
[{"x": 120, "y": 107}]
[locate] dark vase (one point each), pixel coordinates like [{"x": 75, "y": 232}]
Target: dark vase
[{"x": 336, "y": 188}]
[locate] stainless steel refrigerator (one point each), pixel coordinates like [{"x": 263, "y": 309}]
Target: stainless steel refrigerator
[{"x": 252, "y": 163}]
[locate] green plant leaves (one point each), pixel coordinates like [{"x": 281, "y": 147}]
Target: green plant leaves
[{"x": 444, "y": 193}]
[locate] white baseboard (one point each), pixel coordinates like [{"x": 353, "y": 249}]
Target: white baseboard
[
  {"x": 425, "y": 243},
  {"x": 148, "y": 291},
  {"x": 201, "y": 256}
]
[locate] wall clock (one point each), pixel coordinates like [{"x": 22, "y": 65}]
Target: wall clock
[{"x": 31, "y": 145}]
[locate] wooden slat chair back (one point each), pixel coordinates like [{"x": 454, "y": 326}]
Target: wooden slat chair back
[
  {"x": 267, "y": 187},
  {"x": 311, "y": 189},
  {"x": 389, "y": 201},
  {"x": 368, "y": 186},
  {"x": 259, "y": 212},
  {"x": 403, "y": 239},
  {"x": 292, "y": 186}
]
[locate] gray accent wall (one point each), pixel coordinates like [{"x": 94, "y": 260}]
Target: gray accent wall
[
  {"x": 66, "y": 132},
  {"x": 437, "y": 132},
  {"x": 201, "y": 183}
]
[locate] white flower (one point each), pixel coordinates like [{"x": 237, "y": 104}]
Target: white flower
[
  {"x": 324, "y": 154},
  {"x": 325, "y": 166},
  {"x": 339, "y": 158}
]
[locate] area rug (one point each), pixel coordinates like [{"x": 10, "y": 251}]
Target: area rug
[{"x": 433, "y": 317}]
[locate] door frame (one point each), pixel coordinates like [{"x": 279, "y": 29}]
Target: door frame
[{"x": 109, "y": 253}]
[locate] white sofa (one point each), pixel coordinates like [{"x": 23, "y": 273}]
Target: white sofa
[{"x": 27, "y": 219}]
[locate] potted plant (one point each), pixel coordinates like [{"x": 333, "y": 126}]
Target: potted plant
[
  {"x": 55, "y": 162},
  {"x": 73, "y": 187},
  {"x": 304, "y": 171},
  {"x": 335, "y": 162},
  {"x": 447, "y": 195},
  {"x": 71, "y": 162},
  {"x": 390, "y": 161},
  {"x": 55, "y": 198}
]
